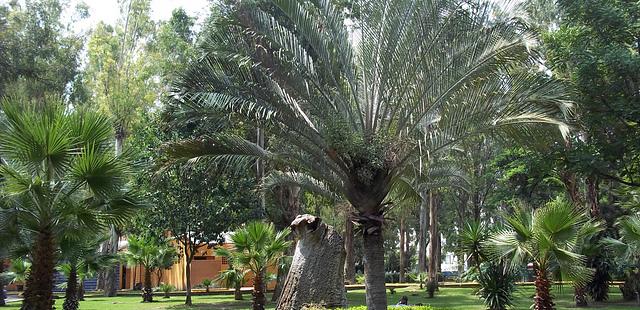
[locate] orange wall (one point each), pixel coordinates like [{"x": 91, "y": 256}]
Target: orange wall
[{"x": 176, "y": 275}]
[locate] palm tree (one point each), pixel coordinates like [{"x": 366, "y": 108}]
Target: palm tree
[
  {"x": 256, "y": 247},
  {"x": 548, "y": 237},
  {"x": 235, "y": 278},
  {"x": 82, "y": 258},
  {"x": 167, "y": 256},
  {"x": 144, "y": 252},
  {"x": 57, "y": 172},
  {"x": 410, "y": 78},
  {"x": 628, "y": 248}
]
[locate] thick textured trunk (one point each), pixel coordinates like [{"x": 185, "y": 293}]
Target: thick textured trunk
[
  {"x": 592, "y": 196},
  {"x": 349, "y": 262},
  {"x": 259, "y": 298},
  {"x": 289, "y": 200},
  {"x": 403, "y": 262},
  {"x": 376, "y": 294},
  {"x": 237, "y": 294},
  {"x": 580, "y": 296},
  {"x": 71, "y": 293},
  {"x": 81, "y": 291},
  {"x": 422, "y": 233},
  {"x": 316, "y": 273},
  {"x": 38, "y": 294},
  {"x": 188, "y": 300},
  {"x": 542, "y": 300},
  {"x": 433, "y": 238},
  {"x": 110, "y": 280},
  {"x": 147, "y": 292}
]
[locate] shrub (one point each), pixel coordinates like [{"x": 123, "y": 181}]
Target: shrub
[
  {"x": 166, "y": 289},
  {"x": 497, "y": 285},
  {"x": 360, "y": 278},
  {"x": 206, "y": 283},
  {"x": 432, "y": 286}
]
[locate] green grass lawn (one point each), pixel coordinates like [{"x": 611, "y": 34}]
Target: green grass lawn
[{"x": 447, "y": 298}]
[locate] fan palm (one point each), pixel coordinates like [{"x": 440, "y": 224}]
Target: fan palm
[
  {"x": 57, "y": 172},
  {"x": 144, "y": 252},
  {"x": 233, "y": 278},
  {"x": 628, "y": 249},
  {"x": 357, "y": 104},
  {"x": 82, "y": 259},
  {"x": 256, "y": 247},
  {"x": 549, "y": 237}
]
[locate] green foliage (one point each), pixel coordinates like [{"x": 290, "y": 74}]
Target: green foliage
[
  {"x": 18, "y": 271},
  {"x": 497, "y": 285},
  {"x": 166, "y": 289},
  {"x": 39, "y": 54}
]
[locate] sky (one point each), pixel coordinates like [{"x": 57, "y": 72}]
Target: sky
[{"x": 108, "y": 11}]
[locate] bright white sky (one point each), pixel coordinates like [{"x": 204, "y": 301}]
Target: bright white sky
[{"x": 108, "y": 11}]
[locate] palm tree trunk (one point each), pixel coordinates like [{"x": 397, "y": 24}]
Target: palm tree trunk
[
  {"x": 237, "y": 294},
  {"x": 110, "y": 281},
  {"x": 71, "y": 293},
  {"x": 259, "y": 298},
  {"x": 376, "y": 294},
  {"x": 580, "y": 296},
  {"x": 81, "y": 291},
  {"x": 38, "y": 294},
  {"x": 147, "y": 292},
  {"x": 542, "y": 300},
  {"x": 433, "y": 236},
  {"x": 422, "y": 234},
  {"x": 402, "y": 250},
  {"x": 349, "y": 262}
]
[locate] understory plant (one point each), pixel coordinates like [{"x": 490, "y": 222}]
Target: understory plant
[
  {"x": 166, "y": 288},
  {"x": 547, "y": 237},
  {"x": 497, "y": 285}
]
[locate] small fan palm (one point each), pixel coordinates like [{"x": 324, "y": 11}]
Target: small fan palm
[
  {"x": 144, "y": 252},
  {"x": 357, "y": 104},
  {"x": 548, "y": 237},
  {"x": 58, "y": 171},
  {"x": 233, "y": 278},
  {"x": 256, "y": 247}
]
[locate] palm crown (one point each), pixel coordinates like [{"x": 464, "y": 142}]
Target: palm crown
[{"x": 358, "y": 104}]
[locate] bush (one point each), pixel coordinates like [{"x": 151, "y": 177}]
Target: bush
[
  {"x": 497, "y": 285},
  {"x": 166, "y": 289},
  {"x": 360, "y": 278},
  {"x": 391, "y": 277}
]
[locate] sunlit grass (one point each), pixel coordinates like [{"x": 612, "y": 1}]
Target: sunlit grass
[{"x": 447, "y": 298}]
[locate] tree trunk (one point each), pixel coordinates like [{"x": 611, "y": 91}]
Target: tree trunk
[
  {"x": 237, "y": 294},
  {"x": 542, "y": 300},
  {"x": 3, "y": 295},
  {"x": 422, "y": 234},
  {"x": 433, "y": 238},
  {"x": 71, "y": 293},
  {"x": 592, "y": 196},
  {"x": 188, "y": 300},
  {"x": 259, "y": 299},
  {"x": 376, "y": 294},
  {"x": 571, "y": 185},
  {"x": 81, "y": 291},
  {"x": 580, "y": 296},
  {"x": 147, "y": 292},
  {"x": 260, "y": 172},
  {"x": 289, "y": 197},
  {"x": 402, "y": 251},
  {"x": 38, "y": 294},
  {"x": 316, "y": 273},
  {"x": 349, "y": 262},
  {"x": 110, "y": 281}
]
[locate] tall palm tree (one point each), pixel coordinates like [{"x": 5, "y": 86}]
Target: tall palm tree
[
  {"x": 410, "y": 78},
  {"x": 256, "y": 247},
  {"x": 549, "y": 237},
  {"x": 57, "y": 171}
]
